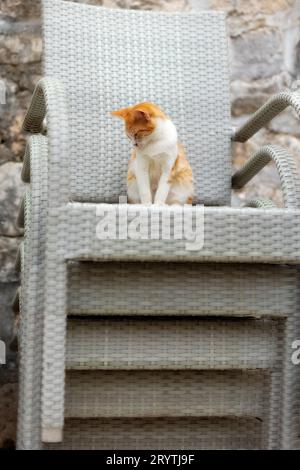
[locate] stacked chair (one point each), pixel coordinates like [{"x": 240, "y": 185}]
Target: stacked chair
[{"x": 134, "y": 343}]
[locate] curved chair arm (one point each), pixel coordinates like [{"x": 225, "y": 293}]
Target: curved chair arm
[
  {"x": 49, "y": 98},
  {"x": 286, "y": 168},
  {"x": 260, "y": 203},
  {"x": 268, "y": 111},
  {"x": 36, "y": 146},
  {"x": 34, "y": 171}
]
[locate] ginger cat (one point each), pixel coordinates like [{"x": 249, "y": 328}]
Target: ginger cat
[{"x": 158, "y": 170}]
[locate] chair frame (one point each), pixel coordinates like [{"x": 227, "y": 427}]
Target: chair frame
[{"x": 51, "y": 219}]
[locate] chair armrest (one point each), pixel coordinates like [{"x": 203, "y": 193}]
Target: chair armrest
[
  {"x": 35, "y": 151},
  {"x": 286, "y": 168},
  {"x": 260, "y": 203},
  {"x": 49, "y": 99},
  {"x": 268, "y": 111}
]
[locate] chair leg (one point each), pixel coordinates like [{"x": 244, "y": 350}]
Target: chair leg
[
  {"x": 52, "y": 434},
  {"x": 54, "y": 350},
  {"x": 273, "y": 428},
  {"x": 30, "y": 366},
  {"x": 32, "y": 296}
]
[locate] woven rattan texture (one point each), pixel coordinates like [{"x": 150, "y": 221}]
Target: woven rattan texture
[
  {"x": 268, "y": 111},
  {"x": 163, "y": 433},
  {"x": 31, "y": 259},
  {"x": 230, "y": 234},
  {"x": 129, "y": 394},
  {"x": 201, "y": 289},
  {"x": 287, "y": 169},
  {"x": 92, "y": 63},
  {"x": 174, "y": 343}
]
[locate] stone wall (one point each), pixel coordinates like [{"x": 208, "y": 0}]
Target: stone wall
[{"x": 265, "y": 58}]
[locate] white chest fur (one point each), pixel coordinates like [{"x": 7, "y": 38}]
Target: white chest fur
[
  {"x": 161, "y": 142},
  {"x": 154, "y": 161}
]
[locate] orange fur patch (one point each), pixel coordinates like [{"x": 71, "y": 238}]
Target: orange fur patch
[
  {"x": 140, "y": 118},
  {"x": 181, "y": 171},
  {"x": 130, "y": 173}
]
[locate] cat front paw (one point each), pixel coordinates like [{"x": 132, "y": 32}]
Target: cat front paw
[{"x": 146, "y": 201}]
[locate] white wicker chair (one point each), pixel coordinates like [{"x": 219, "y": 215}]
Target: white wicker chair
[{"x": 189, "y": 349}]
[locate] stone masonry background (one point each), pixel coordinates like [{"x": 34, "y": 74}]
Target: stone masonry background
[{"x": 265, "y": 58}]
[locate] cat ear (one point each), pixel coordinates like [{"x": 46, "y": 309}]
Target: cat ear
[
  {"x": 121, "y": 113},
  {"x": 141, "y": 115}
]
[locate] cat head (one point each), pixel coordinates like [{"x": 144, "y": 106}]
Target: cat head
[{"x": 140, "y": 121}]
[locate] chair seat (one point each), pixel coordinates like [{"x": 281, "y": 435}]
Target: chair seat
[
  {"x": 161, "y": 433},
  {"x": 180, "y": 289},
  {"x": 165, "y": 393},
  {"x": 230, "y": 234},
  {"x": 122, "y": 344}
]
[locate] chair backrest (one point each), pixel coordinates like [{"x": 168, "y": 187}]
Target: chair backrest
[{"x": 111, "y": 58}]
